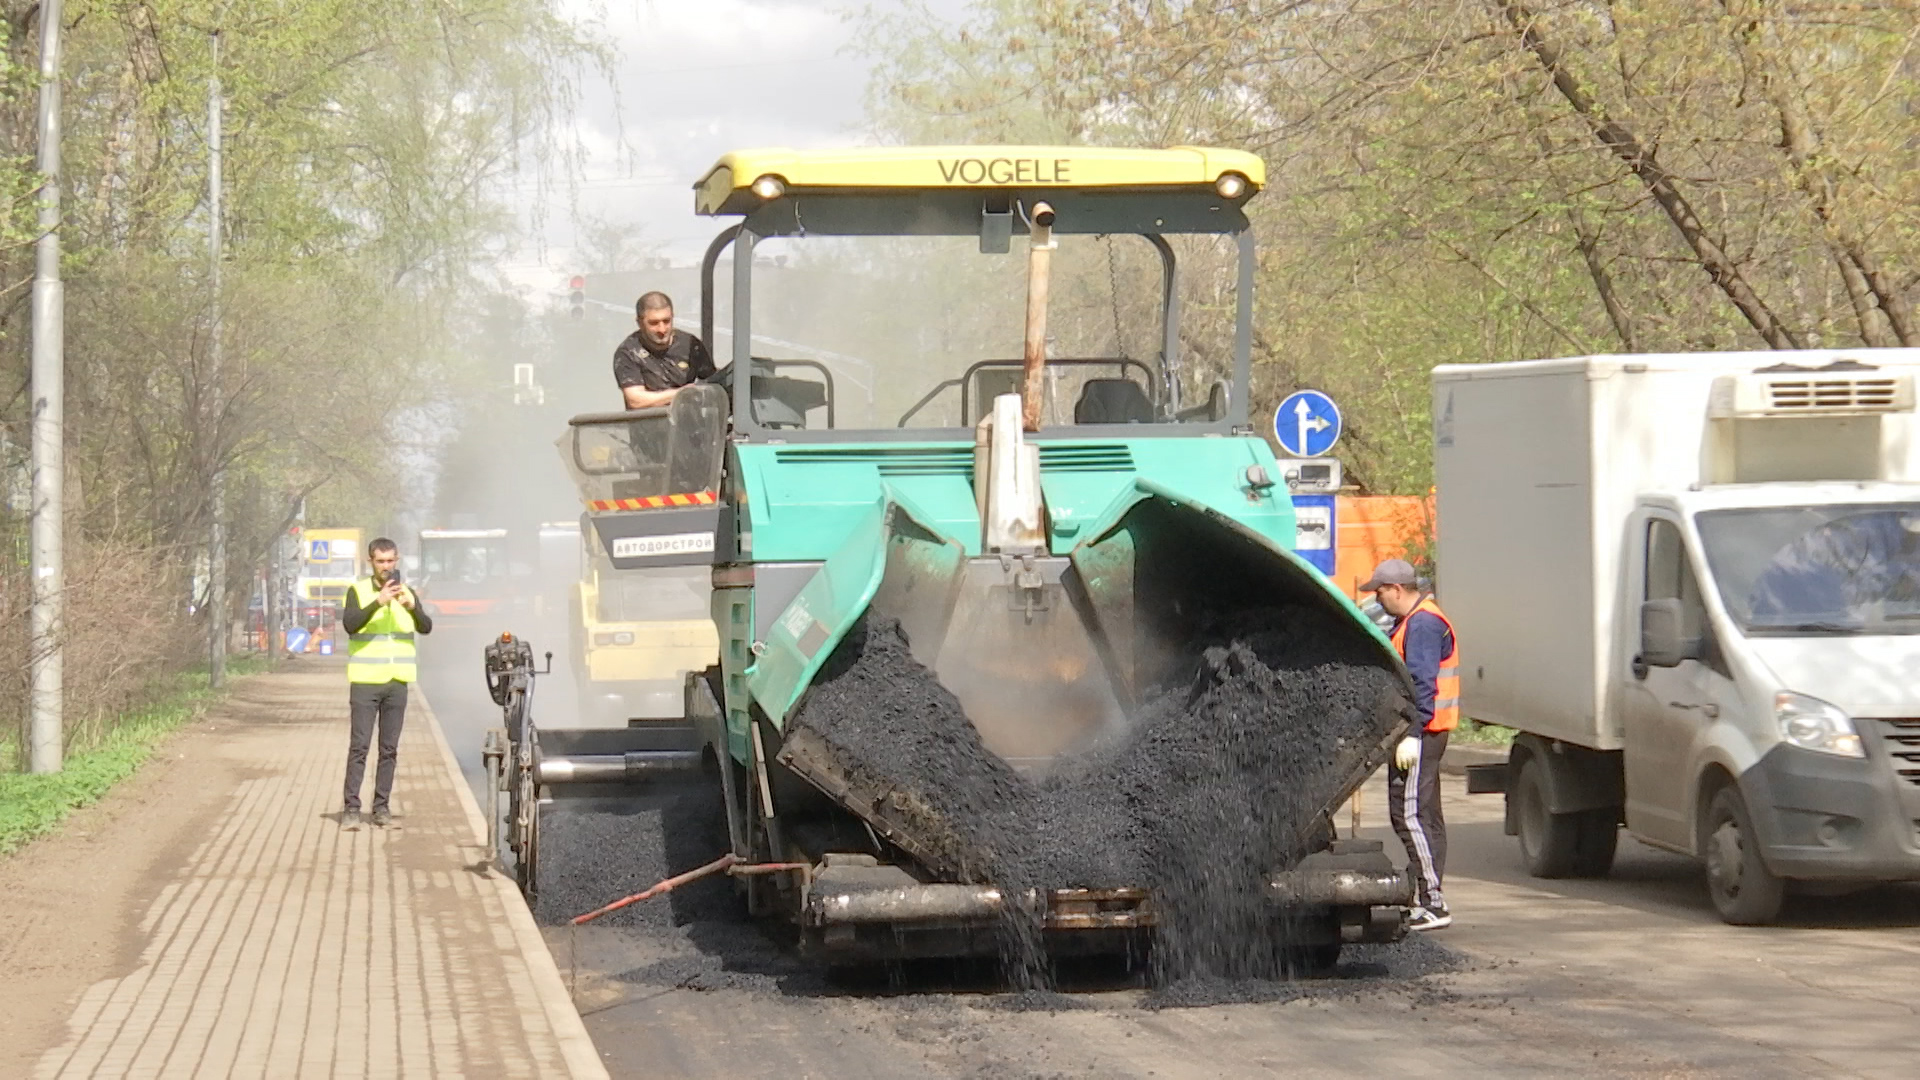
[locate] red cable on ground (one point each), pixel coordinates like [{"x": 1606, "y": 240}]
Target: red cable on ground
[
  {"x": 714, "y": 867},
  {"x": 730, "y": 863},
  {"x": 750, "y": 869}
]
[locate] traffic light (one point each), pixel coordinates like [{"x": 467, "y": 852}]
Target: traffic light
[{"x": 577, "y": 297}]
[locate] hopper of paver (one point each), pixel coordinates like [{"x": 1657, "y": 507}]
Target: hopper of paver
[{"x": 1053, "y": 663}]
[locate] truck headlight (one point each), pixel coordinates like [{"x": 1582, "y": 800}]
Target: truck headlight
[{"x": 1812, "y": 724}]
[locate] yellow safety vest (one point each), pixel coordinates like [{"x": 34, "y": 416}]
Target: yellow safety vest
[
  {"x": 1446, "y": 682},
  {"x": 382, "y": 651}
]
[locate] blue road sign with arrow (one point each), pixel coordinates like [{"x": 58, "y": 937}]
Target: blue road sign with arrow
[{"x": 1307, "y": 423}]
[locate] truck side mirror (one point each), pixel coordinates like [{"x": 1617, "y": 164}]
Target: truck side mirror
[{"x": 1664, "y": 640}]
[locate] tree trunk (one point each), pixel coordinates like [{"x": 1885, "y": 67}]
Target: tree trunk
[
  {"x": 1625, "y": 145},
  {"x": 1817, "y": 179}
]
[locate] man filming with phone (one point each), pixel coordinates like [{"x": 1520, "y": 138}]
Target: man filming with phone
[{"x": 381, "y": 616}]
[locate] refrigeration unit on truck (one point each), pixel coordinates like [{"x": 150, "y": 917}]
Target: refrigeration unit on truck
[{"x": 1692, "y": 583}]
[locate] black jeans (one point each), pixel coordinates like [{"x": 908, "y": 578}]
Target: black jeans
[
  {"x": 387, "y": 703},
  {"x": 1413, "y": 805}
]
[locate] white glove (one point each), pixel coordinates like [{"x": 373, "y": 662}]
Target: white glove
[{"x": 1407, "y": 753}]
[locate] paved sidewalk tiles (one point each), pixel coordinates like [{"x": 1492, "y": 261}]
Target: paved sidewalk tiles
[{"x": 285, "y": 947}]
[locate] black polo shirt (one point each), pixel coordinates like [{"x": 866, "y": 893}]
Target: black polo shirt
[{"x": 683, "y": 361}]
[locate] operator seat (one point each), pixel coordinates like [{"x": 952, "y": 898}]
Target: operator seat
[{"x": 1112, "y": 401}]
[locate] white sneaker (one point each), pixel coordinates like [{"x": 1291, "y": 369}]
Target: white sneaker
[{"x": 1429, "y": 919}]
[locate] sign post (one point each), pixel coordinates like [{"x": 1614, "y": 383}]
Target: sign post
[{"x": 1306, "y": 425}]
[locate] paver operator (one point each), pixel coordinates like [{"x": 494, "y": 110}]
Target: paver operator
[
  {"x": 1426, "y": 642},
  {"x": 381, "y": 617},
  {"x": 655, "y": 361}
]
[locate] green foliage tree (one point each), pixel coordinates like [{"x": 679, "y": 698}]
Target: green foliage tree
[
  {"x": 364, "y": 143},
  {"x": 1470, "y": 180}
]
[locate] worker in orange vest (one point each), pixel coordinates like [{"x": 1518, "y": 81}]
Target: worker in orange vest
[{"x": 1426, "y": 642}]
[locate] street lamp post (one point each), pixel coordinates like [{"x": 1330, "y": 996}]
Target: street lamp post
[
  {"x": 46, "y": 692},
  {"x": 217, "y": 541}
]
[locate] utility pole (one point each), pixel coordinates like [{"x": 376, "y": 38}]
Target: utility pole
[
  {"x": 217, "y": 542},
  {"x": 273, "y": 609},
  {"x": 270, "y": 600},
  {"x": 46, "y": 680}
]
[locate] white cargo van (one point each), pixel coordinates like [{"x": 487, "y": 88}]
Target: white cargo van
[{"x": 1693, "y": 584}]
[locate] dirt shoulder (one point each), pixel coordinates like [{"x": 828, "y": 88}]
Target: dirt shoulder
[{"x": 71, "y": 900}]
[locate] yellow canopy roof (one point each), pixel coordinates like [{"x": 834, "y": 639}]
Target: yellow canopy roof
[{"x": 724, "y": 189}]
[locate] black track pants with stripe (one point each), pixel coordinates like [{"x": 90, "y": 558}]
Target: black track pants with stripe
[{"x": 1413, "y": 805}]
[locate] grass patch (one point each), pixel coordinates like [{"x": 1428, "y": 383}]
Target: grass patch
[
  {"x": 1477, "y": 733},
  {"x": 243, "y": 665},
  {"x": 34, "y": 805}
]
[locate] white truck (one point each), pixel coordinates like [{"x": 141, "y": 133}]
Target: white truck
[{"x": 1692, "y": 583}]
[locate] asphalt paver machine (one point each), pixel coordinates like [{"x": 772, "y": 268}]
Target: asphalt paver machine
[{"x": 1036, "y": 518}]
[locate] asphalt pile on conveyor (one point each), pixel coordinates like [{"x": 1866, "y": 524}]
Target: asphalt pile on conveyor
[{"x": 1223, "y": 777}]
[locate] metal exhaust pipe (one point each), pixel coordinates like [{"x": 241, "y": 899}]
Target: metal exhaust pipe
[
  {"x": 634, "y": 765},
  {"x": 944, "y": 903},
  {"x": 1039, "y": 259},
  {"x": 909, "y": 904},
  {"x": 1313, "y": 887}
]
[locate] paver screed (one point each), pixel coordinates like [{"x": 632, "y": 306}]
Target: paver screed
[{"x": 285, "y": 947}]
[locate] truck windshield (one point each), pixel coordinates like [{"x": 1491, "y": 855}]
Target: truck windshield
[
  {"x": 1817, "y": 570},
  {"x": 462, "y": 560},
  {"x": 331, "y": 568}
]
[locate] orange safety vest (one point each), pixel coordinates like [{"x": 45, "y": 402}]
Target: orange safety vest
[{"x": 1446, "y": 683}]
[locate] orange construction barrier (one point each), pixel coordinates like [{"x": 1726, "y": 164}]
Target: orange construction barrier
[{"x": 1373, "y": 528}]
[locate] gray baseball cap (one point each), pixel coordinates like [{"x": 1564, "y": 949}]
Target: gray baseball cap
[{"x": 1391, "y": 572}]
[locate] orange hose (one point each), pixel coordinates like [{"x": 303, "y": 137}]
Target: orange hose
[
  {"x": 667, "y": 886},
  {"x": 751, "y": 869}
]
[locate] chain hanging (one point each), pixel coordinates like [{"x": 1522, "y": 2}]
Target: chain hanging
[{"x": 1113, "y": 291}]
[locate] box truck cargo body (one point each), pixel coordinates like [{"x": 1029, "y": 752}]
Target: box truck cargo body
[{"x": 1692, "y": 583}]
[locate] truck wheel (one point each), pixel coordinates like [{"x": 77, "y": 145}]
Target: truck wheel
[
  {"x": 1744, "y": 891},
  {"x": 1579, "y": 844},
  {"x": 1547, "y": 840}
]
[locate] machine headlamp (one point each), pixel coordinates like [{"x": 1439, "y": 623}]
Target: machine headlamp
[
  {"x": 1230, "y": 185},
  {"x": 769, "y": 187}
]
